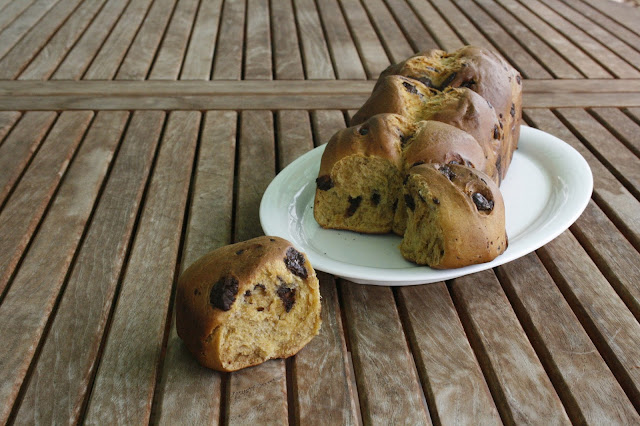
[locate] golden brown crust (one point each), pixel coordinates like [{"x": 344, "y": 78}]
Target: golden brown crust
[{"x": 201, "y": 309}]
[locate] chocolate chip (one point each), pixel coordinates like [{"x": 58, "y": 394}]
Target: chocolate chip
[
  {"x": 363, "y": 130},
  {"x": 445, "y": 170},
  {"x": 425, "y": 80},
  {"x": 518, "y": 79},
  {"x": 410, "y": 87},
  {"x": 295, "y": 263},
  {"x": 481, "y": 202},
  {"x": 417, "y": 163},
  {"x": 432, "y": 69},
  {"x": 239, "y": 252},
  {"x": 324, "y": 182},
  {"x": 354, "y": 203},
  {"x": 223, "y": 293},
  {"x": 375, "y": 198},
  {"x": 404, "y": 139},
  {"x": 499, "y": 165},
  {"x": 513, "y": 110},
  {"x": 448, "y": 80},
  {"x": 435, "y": 200},
  {"x": 468, "y": 83},
  {"x": 261, "y": 286},
  {"x": 196, "y": 292},
  {"x": 272, "y": 240},
  {"x": 408, "y": 200},
  {"x": 395, "y": 205},
  {"x": 496, "y": 132},
  {"x": 260, "y": 309},
  {"x": 405, "y": 180},
  {"x": 247, "y": 293},
  {"x": 287, "y": 295}
]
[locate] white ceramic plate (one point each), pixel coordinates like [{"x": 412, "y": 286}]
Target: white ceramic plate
[{"x": 547, "y": 188}]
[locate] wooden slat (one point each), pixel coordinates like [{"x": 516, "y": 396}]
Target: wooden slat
[
  {"x": 612, "y": 43},
  {"x": 27, "y": 204},
  {"x": 286, "y": 49},
  {"x": 617, "y": 157},
  {"x": 199, "y": 57},
  {"x": 257, "y": 63},
  {"x": 450, "y": 374},
  {"x": 137, "y": 62},
  {"x": 372, "y": 53},
  {"x": 11, "y": 11},
  {"x": 55, "y": 48},
  {"x": 534, "y": 43},
  {"x": 619, "y": 204},
  {"x": 518, "y": 382},
  {"x": 7, "y": 120},
  {"x": 14, "y": 32},
  {"x": 294, "y": 136},
  {"x": 388, "y": 383},
  {"x": 62, "y": 377},
  {"x": 80, "y": 56},
  {"x": 325, "y": 124},
  {"x": 396, "y": 45},
  {"x": 168, "y": 63},
  {"x": 416, "y": 33},
  {"x": 505, "y": 43},
  {"x": 621, "y": 126},
  {"x": 595, "y": 49},
  {"x": 256, "y": 394},
  {"x": 321, "y": 369},
  {"x": 342, "y": 48},
  {"x": 463, "y": 27},
  {"x": 589, "y": 391},
  {"x": 315, "y": 54},
  {"x": 17, "y": 150},
  {"x": 444, "y": 35},
  {"x": 604, "y": 315},
  {"x": 614, "y": 255},
  {"x": 623, "y": 13},
  {"x": 228, "y": 53},
  {"x": 106, "y": 63},
  {"x": 125, "y": 380},
  {"x": 185, "y": 384},
  {"x": 43, "y": 271},
  {"x": 584, "y": 64}
]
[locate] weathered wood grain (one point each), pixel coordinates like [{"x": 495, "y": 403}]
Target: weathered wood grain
[
  {"x": 294, "y": 136},
  {"x": 257, "y": 393},
  {"x": 30, "y": 198},
  {"x": 450, "y": 375},
  {"x": 106, "y": 63},
  {"x": 503, "y": 41},
  {"x": 315, "y": 54},
  {"x": 55, "y": 49},
  {"x": 18, "y": 148},
  {"x": 614, "y": 154},
  {"x": 519, "y": 384},
  {"x": 199, "y": 57},
  {"x": 396, "y": 45},
  {"x": 373, "y": 56},
  {"x": 323, "y": 387},
  {"x": 442, "y": 32},
  {"x": 325, "y": 124},
  {"x": 78, "y": 59},
  {"x": 618, "y": 203},
  {"x": 168, "y": 62},
  {"x": 126, "y": 377},
  {"x": 185, "y": 384},
  {"x": 461, "y": 25},
  {"x": 612, "y": 252},
  {"x": 62, "y": 377},
  {"x": 257, "y": 62},
  {"x": 623, "y": 13},
  {"x": 15, "y": 31},
  {"x": 137, "y": 62},
  {"x": 343, "y": 50},
  {"x": 515, "y": 22},
  {"x": 11, "y": 10},
  {"x": 589, "y": 391},
  {"x": 623, "y": 127},
  {"x": 228, "y": 54},
  {"x": 286, "y": 48},
  {"x": 412, "y": 27},
  {"x": 605, "y": 57},
  {"x": 388, "y": 384},
  {"x": 7, "y": 120},
  {"x": 611, "y": 326},
  {"x": 42, "y": 273}
]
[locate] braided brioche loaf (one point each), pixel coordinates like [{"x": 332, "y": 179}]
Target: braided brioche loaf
[{"x": 424, "y": 157}]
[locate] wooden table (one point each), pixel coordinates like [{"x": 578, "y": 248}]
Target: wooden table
[{"x": 137, "y": 135}]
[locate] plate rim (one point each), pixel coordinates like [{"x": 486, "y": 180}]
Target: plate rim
[{"x": 417, "y": 275}]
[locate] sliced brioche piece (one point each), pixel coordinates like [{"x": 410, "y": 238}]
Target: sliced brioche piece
[
  {"x": 360, "y": 175},
  {"x": 245, "y": 303},
  {"x": 455, "y": 217}
]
